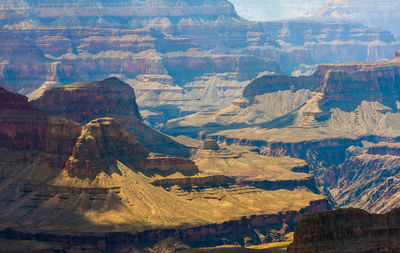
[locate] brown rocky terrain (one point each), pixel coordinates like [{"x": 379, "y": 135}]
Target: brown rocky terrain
[
  {"x": 343, "y": 120},
  {"x": 97, "y": 187},
  {"x": 85, "y": 101},
  {"x": 347, "y": 230}
]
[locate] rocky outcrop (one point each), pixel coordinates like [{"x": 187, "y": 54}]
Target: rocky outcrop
[
  {"x": 190, "y": 182},
  {"x": 102, "y": 142},
  {"x": 347, "y": 230},
  {"x": 86, "y": 101},
  {"x": 307, "y": 183},
  {"x": 210, "y": 144}
]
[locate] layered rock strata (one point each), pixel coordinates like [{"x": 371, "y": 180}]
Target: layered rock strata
[
  {"x": 86, "y": 101},
  {"x": 205, "y": 48},
  {"x": 347, "y": 230}
]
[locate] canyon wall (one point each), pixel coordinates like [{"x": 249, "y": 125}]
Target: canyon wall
[{"x": 347, "y": 230}]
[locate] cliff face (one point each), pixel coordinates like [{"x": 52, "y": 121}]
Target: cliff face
[
  {"x": 101, "y": 140},
  {"x": 368, "y": 172},
  {"x": 76, "y": 13},
  {"x": 25, "y": 130},
  {"x": 347, "y": 230},
  {"x": 383, "y": 14},
  {"x": 86, "y": 101}
]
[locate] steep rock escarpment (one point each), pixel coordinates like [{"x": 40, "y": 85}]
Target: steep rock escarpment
[
  {"x": 208, "y": 235},
  {"x": 383, "y": 14},
  {"x": 368, "y": 178},
  {"x": 347, "y": 230},
  {"x": 86, "y": 101},
  {"x": 29, "y": 133}
]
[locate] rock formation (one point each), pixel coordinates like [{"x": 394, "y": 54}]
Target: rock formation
[
  {"x": 101, "y": 140},
  {"x": 33, "y": 135},
  {"x": 383, "y": 14},
  {"x": 347, "y": 230},
  {"x": 86, "y": 101}
]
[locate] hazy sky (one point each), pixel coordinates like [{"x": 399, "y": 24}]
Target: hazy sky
[{"x": 276, "y": 9}]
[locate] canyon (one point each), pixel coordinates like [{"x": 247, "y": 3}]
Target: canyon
[
  {"x": 168, "y": 125},
  {"x": 180, "y": 56},
  {"x": 96, "y": 186},
  {"x": 341, "y": 120}
]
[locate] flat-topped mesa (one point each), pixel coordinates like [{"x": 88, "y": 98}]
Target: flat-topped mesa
[
  {"x": 370, "y": 82},
  {"x": 86, "y": 101},
  {"x": 343, "y": 85},
  {"x": 347, "y": 230}
]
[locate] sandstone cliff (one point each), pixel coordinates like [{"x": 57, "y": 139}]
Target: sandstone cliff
[
  {"x": 101, "y": 143},
  {"x": 29, "y": 133}
]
